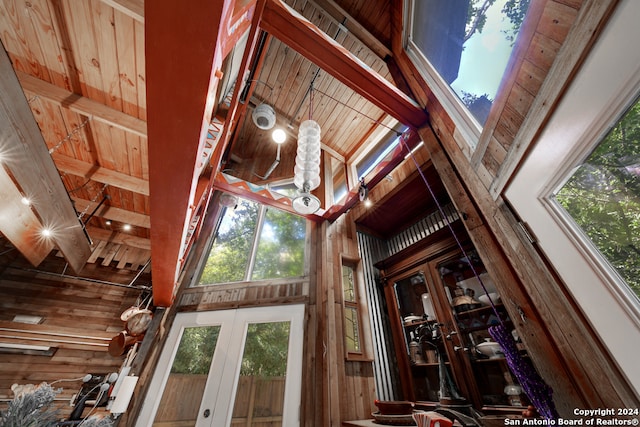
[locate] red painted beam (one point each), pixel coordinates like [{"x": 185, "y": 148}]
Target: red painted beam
[
  {"x": 258, "y": 194},
  {"x": 184, "y": 53},
  {"x": 305, "y": 38},
  {"x": 383, "y": 169}
]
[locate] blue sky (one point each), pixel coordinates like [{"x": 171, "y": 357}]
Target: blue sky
[{"x": 485, "y": 56}]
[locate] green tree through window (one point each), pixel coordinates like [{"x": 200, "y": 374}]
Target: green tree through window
[
  {"x": 281, "y": 246},
  {"x": 603, "y": 197},
  {"x": 229, "y": 255},
  {"x": 254, "y": 242}
]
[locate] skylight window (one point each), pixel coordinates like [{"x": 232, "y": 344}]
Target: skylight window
[
  {"x": 378, "y": 153},
  {"x": 468, "y": 44}
]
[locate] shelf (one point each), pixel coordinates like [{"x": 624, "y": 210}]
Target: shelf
[
  {"x": 495, "y": 359},
  {"x": 505, "y": 409},
  {"x": 426, "y": 365},
  {"x": 475, "y": 328},
  {"x": 418, "y": 322},
  {"x": 479, "y": 310}
]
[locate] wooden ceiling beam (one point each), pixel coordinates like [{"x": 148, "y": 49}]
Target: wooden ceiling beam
[
  {"x": 24, "y": 154},
  {"x": 100, "y": 174},
  {"x": 115, "y": 214},
  {"x": 131, "y": 8},
  {"x": 342, "y": 17},
  {"x": 233, "y": 116},
  {"x": 82, "y": 105},
  {"x": 184, "y": 44},
  {"x": 305, "y": 38},
  {"x": 119, "y": 238}
]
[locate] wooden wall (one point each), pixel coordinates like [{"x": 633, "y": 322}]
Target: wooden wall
[
  {"x": 344, "y": 389},
  {"x": 555, "y": 39},
  {"x": 80, "y": 317}
]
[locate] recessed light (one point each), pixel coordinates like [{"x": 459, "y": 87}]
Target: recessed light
[
  {"x": 25, "y": 201},
  {"x": 46, "y": 232},
  {"x": 25, "y": 318},
  {"x": 126, "y": 227}
]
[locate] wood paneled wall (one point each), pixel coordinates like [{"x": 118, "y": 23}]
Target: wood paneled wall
[
  {"x": 80, "y": 317},
  {"x": 342, "y": 389},
  {"x": 554, "y": 41},
  {"x": 246, "y": 294}
]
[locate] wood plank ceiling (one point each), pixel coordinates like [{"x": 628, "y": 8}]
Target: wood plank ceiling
[{"x": 96, "y": 74}]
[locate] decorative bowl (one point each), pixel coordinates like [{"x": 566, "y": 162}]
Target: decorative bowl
[
  {"x": 394, "y": 407},
  {"x": 490, "y": 349}
]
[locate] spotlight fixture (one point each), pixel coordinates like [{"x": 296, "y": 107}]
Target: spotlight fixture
[
  {"x": 25, "y": 201},
  {"x": 278, "y": 135},
  {"x": 363, "y": 191},
  {"x": 126, "y": 227},
  {"x": 46, "y": 232}
]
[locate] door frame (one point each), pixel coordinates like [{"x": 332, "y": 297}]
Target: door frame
[{"x": 225, "y": 365}]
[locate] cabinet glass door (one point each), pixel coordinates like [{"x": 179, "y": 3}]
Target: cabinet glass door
[
  {"x": 229, "y": 367},
  {"x": 476, "y": 306},
  {"x": 421, "y": 334}
]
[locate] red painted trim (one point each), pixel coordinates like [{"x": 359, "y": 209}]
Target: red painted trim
[
  {"x": 258, "y": 194},
  {"x": 183, "y": 53},
  {"x": 377, "y": 175}
]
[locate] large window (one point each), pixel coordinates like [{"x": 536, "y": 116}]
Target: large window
[
  {"x": 577, "y": 189},
  {"x": 255, "y": 242},
  {"x": 603, "y": 197},
  {"x": 462, "y": 48}
]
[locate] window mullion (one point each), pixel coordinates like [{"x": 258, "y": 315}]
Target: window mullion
[{"x": 256, "y": 239}]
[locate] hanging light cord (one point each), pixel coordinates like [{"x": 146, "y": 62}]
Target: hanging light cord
[
  {"x": 311, "y": 101},
  {"x": 264, "y": 83},
  {"x": 376, "y": 121},
  {"x": 539, "y": 393}
]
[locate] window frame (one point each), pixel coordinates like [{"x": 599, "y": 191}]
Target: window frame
[
  {"x": 602, "y": 91},
  {"x": 248, "y": 273},
  {"x": 359, "y": 304},
  {"x": 469, "y": 129}
]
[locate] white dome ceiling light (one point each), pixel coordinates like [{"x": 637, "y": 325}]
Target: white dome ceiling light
[{"x": 264, "y": 116}]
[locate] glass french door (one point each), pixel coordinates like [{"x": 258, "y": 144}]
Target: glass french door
[{"x": 232, "y": 367}]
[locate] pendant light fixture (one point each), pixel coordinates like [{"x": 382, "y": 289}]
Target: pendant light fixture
[{"x": 307, "y": 169}]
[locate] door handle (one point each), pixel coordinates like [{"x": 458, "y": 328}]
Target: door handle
[{"x": 207, "y": 412}]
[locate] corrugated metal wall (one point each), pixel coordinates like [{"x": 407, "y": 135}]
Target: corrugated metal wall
[{"x": 372, "y": 250}]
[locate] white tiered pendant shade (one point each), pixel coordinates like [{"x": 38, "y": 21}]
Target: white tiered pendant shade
[{"x": 307, "y": 168}]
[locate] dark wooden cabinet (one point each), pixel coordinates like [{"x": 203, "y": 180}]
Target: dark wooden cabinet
[{"x": 440, "y": 317}]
